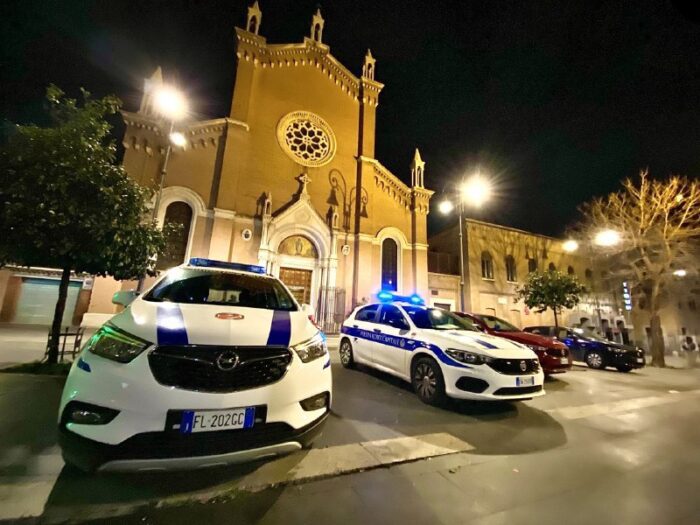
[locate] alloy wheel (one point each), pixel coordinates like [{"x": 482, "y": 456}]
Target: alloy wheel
[
  {"x": 595, "y": 360},
  {"x": 425, "y": 380},
  {"x": 345, "y": 352}
]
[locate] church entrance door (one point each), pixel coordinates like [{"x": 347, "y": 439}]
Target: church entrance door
[{"x": 299, "y": 283}]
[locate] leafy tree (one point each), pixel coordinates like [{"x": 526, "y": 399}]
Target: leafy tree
[
  {"x": 658, "y": 226},
  {"x": 66, "y": 203},
  {"x": 551, "y": 289}
]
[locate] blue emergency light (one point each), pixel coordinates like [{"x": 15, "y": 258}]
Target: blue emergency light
[
  {"x": 211, "y": 263},
  {"x": 389, "y": 297}
]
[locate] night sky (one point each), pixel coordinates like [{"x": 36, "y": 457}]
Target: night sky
[{"x": 557, "y": 100}]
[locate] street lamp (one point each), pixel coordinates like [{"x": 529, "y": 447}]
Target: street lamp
[
  {"x": 172, "y": 105},
  {"x": 606, "y": 238},
  {"x": 680, "y": 273},
  {"x": 474, "y": 192},
  {"x": 570, "y": 246}
]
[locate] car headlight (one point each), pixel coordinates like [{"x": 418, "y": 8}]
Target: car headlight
[
  {"x": 468, "y": 357},
  {"x": 311, "y": 349},
  {"x": 536, "y": 348},
  {"x": 112, "y": 343}
]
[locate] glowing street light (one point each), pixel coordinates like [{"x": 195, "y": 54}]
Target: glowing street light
[
  {"x": 475, "y": 191},
  {"x": 170, "y": 103},
  {"x": 606, "y": 238},
  {"x": 446, "y": 207},
  {"x": 680, "y": 273},
  {"x": 570, "y": 246},
  {"x": 178, "y": 139}
]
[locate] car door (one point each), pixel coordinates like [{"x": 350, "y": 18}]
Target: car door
[
  {"x": 388, "y": 349},
  {"x": 575, "y": 344},
  {"x": 362, "y": 330}
]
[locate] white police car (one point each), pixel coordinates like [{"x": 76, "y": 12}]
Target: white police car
[
  {"x": 216, "y": 363},
  {"x": 438, "y": 352}
]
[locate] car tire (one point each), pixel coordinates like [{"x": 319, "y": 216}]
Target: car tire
[
  {"x": 623, "y": 368},
  {"x": 347, "y": 359},
  {"x": 428, "y": 382},
  {"x": 595, "y": 360}
]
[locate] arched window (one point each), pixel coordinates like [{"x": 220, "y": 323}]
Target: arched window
[
  {"x": 532, "y": 265},
  {"x": 570, "y": 270},
  {"x": 179, "y": 215},
  {"x": 486, "y": 265},
  {"x": 390, "y": 265},
  {"x": 317, "y": 32},
  {"x": 552, "y": 268},
  {"x": 511, "y": 271}
]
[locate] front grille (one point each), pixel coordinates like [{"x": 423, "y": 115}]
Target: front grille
[
  {"x": 513, "y": 367},
  {"x": 557, "y": 352},
  {"x": 517, "y": 390},
  {"x": 194, "y": 367}
]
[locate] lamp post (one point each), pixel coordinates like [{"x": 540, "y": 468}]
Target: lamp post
[
  {"x": 473, "y": 191},
  {"x": 171, "y": 104}
]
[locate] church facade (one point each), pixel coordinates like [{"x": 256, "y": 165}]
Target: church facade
[{"x": 288, "y": 180}]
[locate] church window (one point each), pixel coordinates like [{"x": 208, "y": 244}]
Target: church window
[
  {"x": 178, "y": 215},
  {"x": 390, "y": 265},
  {"x": 306, "y": 138}
]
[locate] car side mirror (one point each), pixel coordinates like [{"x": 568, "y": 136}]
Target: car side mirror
[{"x": 125, "y": 297}]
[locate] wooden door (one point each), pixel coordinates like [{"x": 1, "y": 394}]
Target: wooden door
[{"x": 299, "y": 283}]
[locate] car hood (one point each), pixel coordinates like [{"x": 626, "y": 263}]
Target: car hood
[
  {"x": 480, "y": 343},
  {"x": 527, "y": 338},
  {"x": 168, "y": 323}
]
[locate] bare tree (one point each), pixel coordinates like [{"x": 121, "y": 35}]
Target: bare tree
[{"x": 658, "y": 223}]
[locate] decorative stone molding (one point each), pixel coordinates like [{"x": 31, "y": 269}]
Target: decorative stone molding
[{"x": 306, "y": 138}]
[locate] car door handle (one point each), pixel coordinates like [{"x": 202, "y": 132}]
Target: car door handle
[
  {"x": 376, "y": 330},
  {"x": 354, "y": 326}
]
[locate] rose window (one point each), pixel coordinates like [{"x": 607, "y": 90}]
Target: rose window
[{"x": 306, "y": 138}]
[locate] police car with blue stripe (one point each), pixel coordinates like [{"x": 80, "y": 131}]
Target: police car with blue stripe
[
  {"x": 216, "y": 363},
  {"x": 440, "y": 353}
]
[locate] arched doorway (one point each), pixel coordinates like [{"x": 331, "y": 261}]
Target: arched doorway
[
  {"x": 298, "y": 258},
  {"x": 178, "y": 214}
]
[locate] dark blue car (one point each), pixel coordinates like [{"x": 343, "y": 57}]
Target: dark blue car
[{"x": 593, "y": 350}]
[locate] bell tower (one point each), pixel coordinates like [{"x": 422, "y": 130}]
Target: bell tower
[
  {"x": 150, "y": 85},
  {"x": 417, "y": 169},
  {"x": 254, "y": 18},
  {"x": 317, "y": 27}
]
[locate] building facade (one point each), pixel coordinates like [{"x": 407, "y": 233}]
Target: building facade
[
  {"x": 497, "y": 260},
  {"x": 288, "y": 180}
]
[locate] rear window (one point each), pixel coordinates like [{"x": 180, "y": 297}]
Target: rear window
[{"x": 190, "y": 286}]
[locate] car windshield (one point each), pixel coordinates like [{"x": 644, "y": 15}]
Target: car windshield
[
  {"x": 498, "y": 325},
  {"x": 438, "y": 319},
  {"x": 193, "y": 286}
]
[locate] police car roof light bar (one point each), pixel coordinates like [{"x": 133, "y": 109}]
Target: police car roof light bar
[
  {"x": 388, "y": 297},
  {"x": 211, "y": 263}
]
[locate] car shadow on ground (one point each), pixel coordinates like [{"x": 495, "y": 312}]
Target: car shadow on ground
[{"x": 490, "y": 427}]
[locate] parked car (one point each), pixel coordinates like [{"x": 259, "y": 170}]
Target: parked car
[
  {"x": 439, "y": 353},
  {"x": 553, "y": 355},
  {"x": 216, "y": 363},
  {"x": 593, "y": 350}
]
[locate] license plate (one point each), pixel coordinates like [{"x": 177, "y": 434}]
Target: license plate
[
  {"x": 565, "y": 360},
  {"x": 640, "y": 360},
  {"x": 525, "y": 381},
  {"x": 212, "y": 420}
]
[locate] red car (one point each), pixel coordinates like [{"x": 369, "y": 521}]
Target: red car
[{"x": 554, "y": 355}]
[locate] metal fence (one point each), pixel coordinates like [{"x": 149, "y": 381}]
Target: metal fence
[{"x": 331, "y": 309}]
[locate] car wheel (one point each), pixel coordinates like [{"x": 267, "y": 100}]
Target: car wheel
[
  {"x": 624, "y": 368},
  {"x": 346, "y": 357},
  {"x": 428, "y": 382},
  {"x": 595, "y": 360}
]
